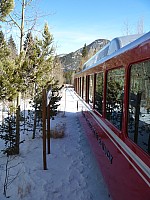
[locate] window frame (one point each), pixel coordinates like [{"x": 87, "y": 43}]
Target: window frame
[
  {"x": 135, "y": 140},
  {"x": 105, "y": 99}
]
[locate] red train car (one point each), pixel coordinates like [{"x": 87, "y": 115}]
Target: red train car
[{"x": 114, "y": 87}]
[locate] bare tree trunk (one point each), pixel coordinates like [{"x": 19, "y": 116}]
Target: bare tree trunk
[
  {"x": 22, "y": 26},
  {"x": 35, "y": 114},
  {"x": 19, "y": 95}
]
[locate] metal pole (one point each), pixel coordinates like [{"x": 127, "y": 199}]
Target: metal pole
[
  {"x": 48, "y": 127},
  {"x": 44, "y": 127},
  {"x": 65, "y": 102},
  {"x": 77, "y": 106}
]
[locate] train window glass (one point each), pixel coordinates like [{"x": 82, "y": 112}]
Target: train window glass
[
  {"x": 139, "y": 105},
  {"x": 114, "y": 96},
  {"x": 84, "y": 88},
  {"x": 91, "y": 88},
  {"x": 80, "y": 86},
  {"x": 99, "y": 92}
]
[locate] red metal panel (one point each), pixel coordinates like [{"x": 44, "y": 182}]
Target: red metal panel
[{"x": 126, "y": 175}]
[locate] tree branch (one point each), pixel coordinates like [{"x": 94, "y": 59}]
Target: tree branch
[
  {"x": 28, "y": 2},
  {"x": 15, "y": 22}
]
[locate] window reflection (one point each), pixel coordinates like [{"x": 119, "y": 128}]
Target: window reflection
[
  {"x": 139, "y": 105},
  {"x": 84, "y": 88},
  {"x": 91, "y": 88},
  {"x": 99, "y": 92},
  {"x": 114, "y": 96}
]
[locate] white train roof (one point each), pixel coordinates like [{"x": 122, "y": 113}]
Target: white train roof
[{"x": 115, "y": 47}]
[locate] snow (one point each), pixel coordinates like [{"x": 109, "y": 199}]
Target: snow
[{"x": 72, "y": 173}]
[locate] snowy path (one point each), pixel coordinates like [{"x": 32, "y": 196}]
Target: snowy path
[
  {"x": 79, "y": 175},
  {"x": 72, "y": 174}
]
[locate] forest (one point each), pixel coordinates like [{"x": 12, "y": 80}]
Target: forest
[{"x": 25, "y": 71}]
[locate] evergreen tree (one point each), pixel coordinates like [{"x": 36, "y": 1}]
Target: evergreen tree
[
  {"x": 29, "y": 45},
  {"x": 43, "y": 63},
  {"x": 6, "y": 6},
  {"x": 84, "y": 51},
  {"x": 1, "y": 38},
  {"x": 55, "y": 98},
  {"x": 45, "y": 58},
  {"x": 29, "y": 63},
  {"x": 12, "y": 47},
  {"x": 84, "y": 57},
  {"x": 9, "y": 82},
  {"x": 7, "y": 133},
  {"x": 7, "y": 66},
  {"x": 68, "y": 76},
  {"x": 58, "y": 71}
]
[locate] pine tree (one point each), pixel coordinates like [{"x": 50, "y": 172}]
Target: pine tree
[
  {"x": 12, "y": 46},
  {"x": 57, "y": 71},
  {"x": 7, "y": 66},
  {"x": 43, "y": 75},
  {"x": 9, "y": 82},
  {"x": 7, "y": 133},
  {"x": 1, "y": 38},
  {"x": 29, "y": 45},
  {"x": 5, "y": 8},
  {"x": 84, "y": 51},
  {"x": 84, "y": 57},
  {"x": 55, "y": 98}
]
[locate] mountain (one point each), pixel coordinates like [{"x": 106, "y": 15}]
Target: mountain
[{"x": 72, "y": 60}]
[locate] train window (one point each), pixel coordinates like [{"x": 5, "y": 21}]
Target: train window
[
  {"x": 91, "y": 88},
  {"x": 84, "y": 88},
  {"x": 80, "y": 86},
  {"x": 99, "y": 92},
  {"x": 139, "y": 105},
  {"x": 114, "y": 96}
]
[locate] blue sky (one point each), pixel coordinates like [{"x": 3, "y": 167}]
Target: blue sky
[{"x": 76, "y": 22}]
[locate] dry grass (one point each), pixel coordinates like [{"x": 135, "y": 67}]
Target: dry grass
[{"x": 58, "y": 131}]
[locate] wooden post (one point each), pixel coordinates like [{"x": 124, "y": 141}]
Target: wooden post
[
  {"x": 17, "y": 130},
  {"x": 48, "y": 128},
  {"x": 44, "y": 127},
  {"x": 65, "y": 102}
]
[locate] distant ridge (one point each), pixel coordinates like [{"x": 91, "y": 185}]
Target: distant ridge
[{"x": 72, "y": 60}]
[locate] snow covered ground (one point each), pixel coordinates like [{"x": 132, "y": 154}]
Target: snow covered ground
[{"x": 72, "y": 174}]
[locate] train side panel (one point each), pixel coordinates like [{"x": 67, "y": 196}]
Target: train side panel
[{"x": 121, "y": 149}]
